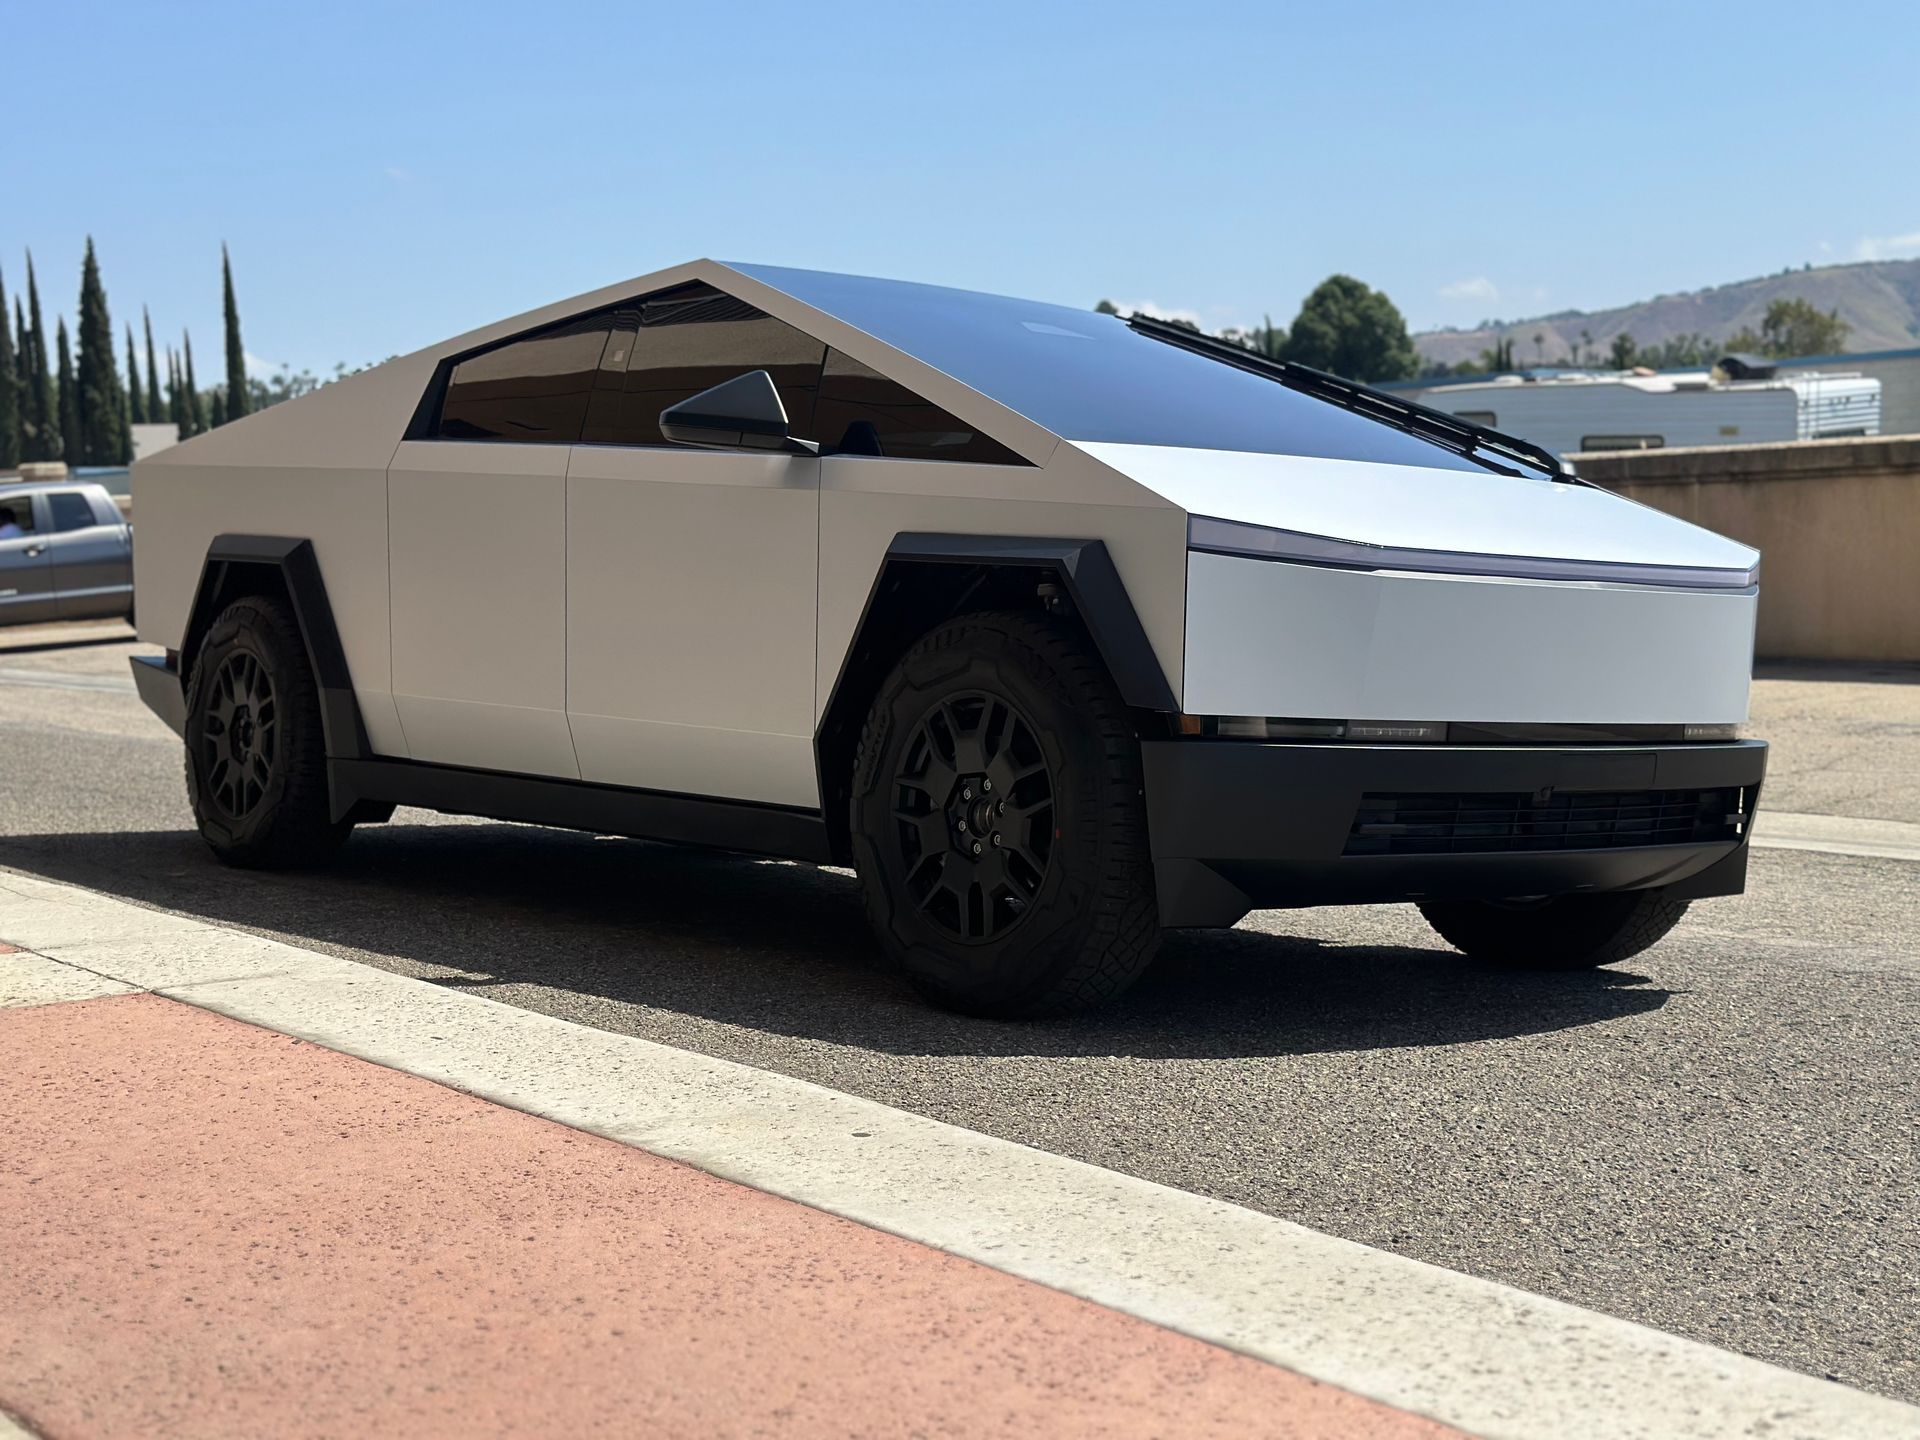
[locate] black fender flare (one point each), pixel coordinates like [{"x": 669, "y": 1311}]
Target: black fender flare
[
  {"x": 1094, "y": 588},
  {"x": 1082, "y": 568},
  {"x": 299, "y": 571}
]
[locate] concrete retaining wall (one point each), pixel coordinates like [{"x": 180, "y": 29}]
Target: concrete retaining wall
[{"x": 1837, "y": 523}]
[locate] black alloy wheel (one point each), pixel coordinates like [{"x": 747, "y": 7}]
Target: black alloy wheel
[
  {"x": 974, "y": 813},
  {"x": 240, "y": 736}
]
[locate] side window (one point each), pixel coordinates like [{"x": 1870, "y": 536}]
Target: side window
[
  {"x": 861, "y": 412},
  {"x": 688, "y": 340},
  {"x": 534, "y": 388},
  {"x": 1623, "y": 442},
  {"x": 70, "y": 511},
  {"x": 16, "y": 513}
]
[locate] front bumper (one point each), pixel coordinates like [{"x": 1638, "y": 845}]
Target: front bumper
[{"x": 1240, "y": 825}]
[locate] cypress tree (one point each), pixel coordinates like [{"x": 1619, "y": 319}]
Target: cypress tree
[
  {"x": 236, "y": 405},
  {"x": 217, "y": 408},
  {"x": 194, "y": 402},
  {"x": 68, "y": 399},
  {"x": 136, "y": 397},
  {"x": 176, "y": 411},
  {"x": 9, "y": 391},
  {"x": 20, "y": 367},
  {"x": 41, "y": 440},
  {"x": 100, "y": 403},
  {"x": 156, "y": 412}
]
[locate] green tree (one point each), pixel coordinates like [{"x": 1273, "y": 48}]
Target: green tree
[
  {"x": 236, "y": 405},
  {"x": 100, "y": 402},
  {"x": 175, "y": 412},
  {"x": 216, "y": 408},
  {"x": 136, "y": 397},
  {"x": 1622, "y": 351},
  {"x": 41, "y": 437},
  {"x": 9, "y": 390},
  {"x": 156, "y": 412},
  {"x": 67, "y": 400},
  {"x": 1348, "y": 329},
  {"x": 1794, "y": 327},
  {"x": 1499, "y": 358},
  {"x": 1107, "y": 307},
  {"x": 191, "y": 400}
]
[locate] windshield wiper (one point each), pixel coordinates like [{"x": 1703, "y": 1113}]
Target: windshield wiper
[{"x": 1449, "y": 432}]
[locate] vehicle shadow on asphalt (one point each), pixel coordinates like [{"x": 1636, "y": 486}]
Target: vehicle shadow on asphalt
[{"x": 784, "y": 948}]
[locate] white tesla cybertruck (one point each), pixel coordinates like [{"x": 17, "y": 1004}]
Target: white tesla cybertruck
[{"x": 1061, "y": 629}]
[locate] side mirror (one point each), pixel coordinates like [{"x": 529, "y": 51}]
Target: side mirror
[{"x": 742, "y": 413}]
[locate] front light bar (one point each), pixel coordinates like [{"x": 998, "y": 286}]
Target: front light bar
[{"x": 1264, "y": 542}]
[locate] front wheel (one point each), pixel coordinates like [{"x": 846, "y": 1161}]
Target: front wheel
[
  {"x": 256, "y": 752},
  {"x": 998, "y": 822},
  {"x": 1568, "y": 932}
]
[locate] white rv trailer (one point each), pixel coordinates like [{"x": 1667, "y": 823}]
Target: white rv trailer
[{"x": 1569, "y": 413}]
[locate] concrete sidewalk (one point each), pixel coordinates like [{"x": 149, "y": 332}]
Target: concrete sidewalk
[
  {"x": 217, "y": 1230},
  {"x": 247, "y": 1189}
]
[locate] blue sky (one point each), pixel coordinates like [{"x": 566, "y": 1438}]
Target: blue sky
[{"x": 388, "y": 175}]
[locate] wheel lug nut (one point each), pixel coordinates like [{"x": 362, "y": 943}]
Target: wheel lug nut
[
  {"x": 985, "y": 785},
  {"x": 1003, "y": 807},
  {"x": 996, "y": 837},
  {"x": 966, "y": 794},
  {"x": 976, "y": 847}
]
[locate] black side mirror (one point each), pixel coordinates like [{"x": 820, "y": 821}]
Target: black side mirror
[{"x": 742, "y": 413}]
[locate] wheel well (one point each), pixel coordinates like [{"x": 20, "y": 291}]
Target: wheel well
[
  {"x": 286, "y": 570},
  {"x": 231, "y": 580},
  {"x": 911, "y": 598}
]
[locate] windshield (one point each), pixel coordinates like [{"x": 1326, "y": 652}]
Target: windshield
[{"x": 1087, "y": 376}]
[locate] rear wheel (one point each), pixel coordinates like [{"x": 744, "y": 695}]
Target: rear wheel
[
  {"x": 998, "y": 822},
  {"x": 1568, "y": 932},
  {"x": 256, "y": 752}
]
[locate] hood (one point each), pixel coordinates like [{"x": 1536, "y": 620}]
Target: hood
[{"x": 1429, "y": 511}]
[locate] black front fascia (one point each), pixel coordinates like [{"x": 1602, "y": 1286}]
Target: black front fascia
[{"x": 1241, "y": 825}]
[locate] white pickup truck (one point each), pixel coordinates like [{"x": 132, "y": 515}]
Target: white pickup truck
[{"x": 1061, "y": 629}]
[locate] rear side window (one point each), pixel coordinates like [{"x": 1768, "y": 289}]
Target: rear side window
[
  {"x": 70, "y": 511},
  {"x": 16, "y": 510},
  {"x": 862, "y": 412},
  {"x": 535, "y": 388},
  {"x": 688, "y": 340}
]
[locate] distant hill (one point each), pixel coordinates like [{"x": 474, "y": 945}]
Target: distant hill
[{"x": 1880, "y": 299}]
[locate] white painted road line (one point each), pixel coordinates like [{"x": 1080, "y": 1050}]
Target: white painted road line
[
  {"x": 1837, "y": 835},
  {"x": 1489, "y": 1359},
  {"x": 66, "y": 680}
]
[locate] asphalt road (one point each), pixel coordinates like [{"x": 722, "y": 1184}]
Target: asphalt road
[{"x": 1721, "y": 1138}]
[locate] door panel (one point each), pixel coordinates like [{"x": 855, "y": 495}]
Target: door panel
[
  {"x": 478, "y": 552},
  {"x": 26, "y": 579},
  {"x": 691, "y": 618},
  {"x": 92, "y": 571}
]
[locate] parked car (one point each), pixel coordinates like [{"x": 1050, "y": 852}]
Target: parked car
[
  {"x": 65, "y": 553},
  {"x": 1061, "y": 629}
]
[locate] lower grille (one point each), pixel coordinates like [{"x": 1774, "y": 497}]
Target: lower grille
[{"x": 1473, "y": 824}]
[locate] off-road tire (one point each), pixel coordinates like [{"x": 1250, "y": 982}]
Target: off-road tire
[
  {"x": 287, "y": 825},
  {"x": 1090, "y": 926},
  {"x": 1569, "y": 932}
]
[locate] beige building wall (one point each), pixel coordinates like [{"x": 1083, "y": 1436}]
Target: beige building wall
[{"x": 1837, "y": 523}]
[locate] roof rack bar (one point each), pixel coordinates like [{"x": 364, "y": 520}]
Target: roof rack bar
[{"x": 1450, "y": 432}]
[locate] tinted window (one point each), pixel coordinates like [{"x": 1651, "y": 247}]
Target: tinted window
[
  {"x": 18, "y": 509},
  {"x": 70, "y": 511},
  {"x": 534, "y": 388},
  {"x": 862, "y": 412},
  {"x": 688, "y": 340},
  {"x": 1088, "y": 377}
]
